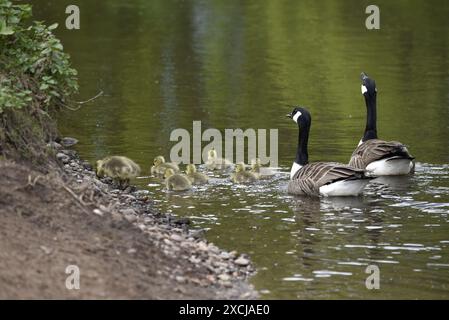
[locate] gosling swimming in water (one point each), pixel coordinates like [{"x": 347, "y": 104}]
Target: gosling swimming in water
[
  {"x": 160, "y": 166},
  {"x": 175, "y": 181},
  {"x": 215, "y": 163},
  {"x": 241, "y": 175},
  {"x": 120, "y": 169},
  {"x": 194, "y": 176},
  {"x": 259, "y": 171}
]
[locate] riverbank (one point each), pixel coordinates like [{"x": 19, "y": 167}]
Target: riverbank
[{"x": 123, "y": 247}]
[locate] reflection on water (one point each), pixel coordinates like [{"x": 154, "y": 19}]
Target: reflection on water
[{"x": 236, "y": 64}]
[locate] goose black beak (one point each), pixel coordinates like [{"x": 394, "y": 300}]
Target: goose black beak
[{"x": 289, "y": 115}]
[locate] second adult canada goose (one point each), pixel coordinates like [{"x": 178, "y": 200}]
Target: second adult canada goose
[
  {"x": 378, "y": 157},
  {"x": 320, "y": 178},
  {"x": 160, "y": 166}
]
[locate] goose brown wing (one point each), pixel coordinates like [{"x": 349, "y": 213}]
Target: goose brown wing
[
  {"x": 375, "y": 149},
  {"x": 312, "y": 176}
]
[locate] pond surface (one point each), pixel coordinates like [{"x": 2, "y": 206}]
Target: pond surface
[{"x": 238, "y": 64}]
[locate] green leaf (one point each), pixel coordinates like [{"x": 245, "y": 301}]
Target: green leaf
[
  {"x": 53, "y": 26},
  {"x": 58, "y": 46},
  {"x": 6, "y": 31}
]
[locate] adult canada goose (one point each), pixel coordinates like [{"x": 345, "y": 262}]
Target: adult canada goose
[
  {"x": 378, "y": 157},
  {"x": 215, "y": 163},
  {"x": 160, "y": 166},
  {"x": 175, "y": 181},
  {"x": 120, "y": 169},
  {"x": 241, "y": 175},
  {"x": 320, "y": 178},
  {"x": 259, "y": 171},
  {"x": 194, "y": 176}
]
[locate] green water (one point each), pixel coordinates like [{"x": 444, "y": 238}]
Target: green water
[{"x": 237, "y": 64}]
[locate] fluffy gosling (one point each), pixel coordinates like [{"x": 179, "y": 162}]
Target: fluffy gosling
[
  {"x": 259, "y": 171},
  {"x": 175, "y": 181},
  {"x": 160, "y": 166},
  {"x": 194, "y": 176},
  {"x": 241, "y": 175},
  {"x": 215, "y": 163},
  {"x": 120, "y": 169}
]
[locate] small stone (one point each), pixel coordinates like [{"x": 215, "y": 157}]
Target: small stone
[
  {"x": 176, "y": 237},
  {"x": 65, "y": 159},
  {"x": 68, "y": 141},
  {"x": 70, "y": 153},
  {"x": 197, "y": 234},
  {"x": 130, "y": 218},
  {"x": 45, "y": 249},
  {"x": 180, "y": 279},
  {"x": 54, "y": 145},
  {"x": 211, "y": 278},
  {"x": 225, "y": 255},
  {"x": 181, "y": 221},
  {"x": 130, "y": 189},
  {"x": 116, "y": 216},
  {"x": 132, "y": 250},
  {"x": 203, "y": 246},
  {"x": 103, "y": 208},
  {"x": 224, "y": 277},
  {"x": 194, "y": 260},
  {"x": 241, "y": 261},
  {"x": 128, "y": 211},
  {"x": 213, "y": 248},
  {"x": 87, "y": 166},
  {"x": 98, "y": 212}
]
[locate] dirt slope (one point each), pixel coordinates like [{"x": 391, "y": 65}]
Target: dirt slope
[{"x": 44, "y": 228}]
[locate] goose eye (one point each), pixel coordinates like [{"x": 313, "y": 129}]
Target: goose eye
[{"x": 364, "y": 89}]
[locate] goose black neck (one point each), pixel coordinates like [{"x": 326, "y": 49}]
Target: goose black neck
[
  {"x": 371, "y": 118},
  {"x": 302, "y": 156}
]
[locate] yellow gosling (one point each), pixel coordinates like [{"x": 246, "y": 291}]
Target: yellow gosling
[
  {"x": 194, "y": 176},
  {"x": 120, "y": 169},
  {"x": 160, "y": 166},
  {"x": 175, "y": 181},
  {"x": 240, "y": 175}
]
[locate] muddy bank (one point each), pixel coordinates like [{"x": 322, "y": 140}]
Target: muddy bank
[{"x": 122, "y": 246}]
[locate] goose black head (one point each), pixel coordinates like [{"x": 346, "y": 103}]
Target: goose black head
[
  {"x": 368, "y": 85},
  {"x": 300, "y": 115}
]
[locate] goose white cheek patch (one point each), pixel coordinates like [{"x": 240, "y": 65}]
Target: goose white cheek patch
[
  {"x": 360, "y": 142},
  {"x": 296, "y": 116},
  {"x": 294, "y": 169},
  {"x": 364, "y": 89}
]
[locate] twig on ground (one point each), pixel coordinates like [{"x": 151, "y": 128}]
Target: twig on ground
[{"x": 78, "y": 199}]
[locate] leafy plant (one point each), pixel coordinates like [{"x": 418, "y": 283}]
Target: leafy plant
[{"x": 35, "y": 72}]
